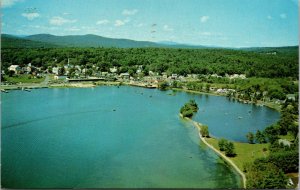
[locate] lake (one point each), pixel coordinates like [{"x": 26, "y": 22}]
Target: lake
[{"x": 118, "y": 137}]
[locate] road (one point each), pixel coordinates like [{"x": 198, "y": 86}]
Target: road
[{"x": 46, "y": 81}]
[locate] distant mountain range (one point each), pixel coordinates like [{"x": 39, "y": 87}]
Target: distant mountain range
[
  {"x": 90, "y": 40},
  {"x": 10, "y": 41}
]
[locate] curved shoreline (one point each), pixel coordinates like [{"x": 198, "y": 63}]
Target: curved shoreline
[
  {"x": 87, "y": 85},
  {"x": 228, "y": 160},
  {"x": 269, "y": 105}
]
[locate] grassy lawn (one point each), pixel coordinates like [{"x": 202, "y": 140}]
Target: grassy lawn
[
  {"x": 24, "y": 79},
  {"x": 273, "y": 105},
  {"x": 245, "y": 152}
]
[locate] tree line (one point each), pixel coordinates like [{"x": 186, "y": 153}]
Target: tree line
[
  {"x": 283, "y": 158},
  {"x": 180, "y": 61}
]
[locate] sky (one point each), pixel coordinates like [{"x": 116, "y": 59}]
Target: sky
[{"x": 225, "y": 23}]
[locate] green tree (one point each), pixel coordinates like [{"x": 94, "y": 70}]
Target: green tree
[
  {"x": 163, "y": 85},
  {"x": 222, "y": 143},
  {"x": 175, "y": 84},
  {"x": 286, "y": 160},
  {"x": 294, "y": 129},
  {"x": 204, "y": 131},
  {"x": 187, "y": 113},
  {"x": 11, "y": 73},
  {"x": 265, "y": 176},
  {"x": 260, "y": 137},
  {"x": 207, "y": 88},
  {"x": 72, "y": 72},
  {"x": 230, "y": 149},
  {"x": 189, "y": 109},
  {"x": 89, "y": 72},
  {"x": 193, "y": 105},
  {"x": 61, "y": 71},
  {"x": 271, "y": 132},
  {"x": 250, "y": 137}
]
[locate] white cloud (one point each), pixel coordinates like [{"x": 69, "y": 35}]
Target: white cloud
[
  {"x": 119, "y": 23},
  {"x": 269, "y": 17},
  {"x": 167, "y": 28},
  {"x": 129, "y": 12},
  {"x": 204, "y": 19},
  {"x": 100, "y": 22},
  {"x": 8, "y": 3},
  {"x": 283, "y": 15},
  {"x": 66, "y": 13},
  {"x": 30, "y": 16},
  {"x": 58, "y": 21}
]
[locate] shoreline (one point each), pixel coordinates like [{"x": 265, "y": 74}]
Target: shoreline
[
  {"x": 228, "y": 160},
  {"x": 259, "y": 103},
  {"x": 91, "y": 84}
]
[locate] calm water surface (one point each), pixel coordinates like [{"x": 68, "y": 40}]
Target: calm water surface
[{"x": 118, "y": 137}]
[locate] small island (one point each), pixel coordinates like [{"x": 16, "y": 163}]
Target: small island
[{"x": 189, "y": 109}]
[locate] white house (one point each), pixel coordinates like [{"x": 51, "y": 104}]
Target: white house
[
  {"x": 284, "y": 142},
  {"x": 15, "y": 68},
  {"x": 124, "y": 75},
  {"x": 113, "y": 70},
  {"x": 174, "y": 76},
  {"x": 55, "y": 70}
]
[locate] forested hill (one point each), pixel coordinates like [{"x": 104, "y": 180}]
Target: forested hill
[
  {"x": 10, "y": 41},
  {"x": 89, "y": 40},
  {"x": 274, "y": 50},
  {"x": 170, "y": 60}
]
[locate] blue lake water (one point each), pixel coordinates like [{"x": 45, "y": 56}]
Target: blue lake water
[{"x": 118, "y": 137}]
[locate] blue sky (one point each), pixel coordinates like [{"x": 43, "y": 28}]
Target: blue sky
[{"x": 230, "y": 23}]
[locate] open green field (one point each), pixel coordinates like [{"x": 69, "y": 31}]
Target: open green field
[
  {"x": 24, "y": 79},
  {"x": 245, "y": 153}
]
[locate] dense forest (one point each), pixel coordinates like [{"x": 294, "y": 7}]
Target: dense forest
[{"x": 180, "y": 61}]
